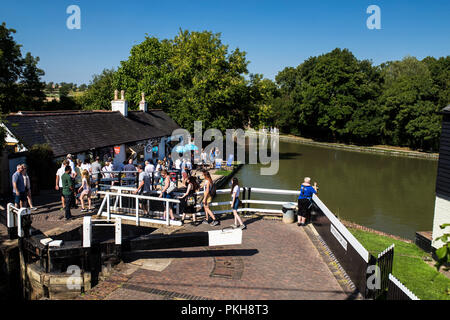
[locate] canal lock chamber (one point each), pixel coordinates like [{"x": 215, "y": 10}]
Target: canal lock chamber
[{"x": 35, "y": 271}]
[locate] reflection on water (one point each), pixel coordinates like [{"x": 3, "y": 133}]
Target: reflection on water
[{"x": 391, "y": 194}]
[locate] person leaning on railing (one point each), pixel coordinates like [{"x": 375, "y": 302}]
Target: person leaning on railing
[{"x": 305, "y": 200}]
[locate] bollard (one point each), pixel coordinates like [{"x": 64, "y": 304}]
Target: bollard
[{"x": 289, "y": 212}]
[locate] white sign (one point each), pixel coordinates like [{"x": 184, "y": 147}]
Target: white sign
[
  {"x": 225, "y": 237},
  {"x": 339, "y": 237}
]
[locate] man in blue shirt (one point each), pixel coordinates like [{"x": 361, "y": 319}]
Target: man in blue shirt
[
  {"x": 18, "y": 185},
  {"x": 305, "y": 200}
]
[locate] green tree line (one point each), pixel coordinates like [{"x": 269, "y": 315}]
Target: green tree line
[{"x": 194, "y": 76}]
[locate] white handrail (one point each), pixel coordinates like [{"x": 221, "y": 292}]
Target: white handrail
[
  {"x": 12, "y": 211},
  {"x": 136, "y": 217}
]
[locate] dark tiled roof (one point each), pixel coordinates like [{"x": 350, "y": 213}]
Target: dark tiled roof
[
  {"x": 446, "y": 110},
  {"x": 73, "y": 132}
]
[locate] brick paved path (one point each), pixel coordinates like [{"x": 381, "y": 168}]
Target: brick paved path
[{"x": 275, "y": 261}]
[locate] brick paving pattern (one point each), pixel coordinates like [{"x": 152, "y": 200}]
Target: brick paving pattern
[{"x": 275, "y": 261}]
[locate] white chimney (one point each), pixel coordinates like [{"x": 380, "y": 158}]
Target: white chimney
[
  {"x": 120, "y": 105},
  {"x": 143, "y": 105}
]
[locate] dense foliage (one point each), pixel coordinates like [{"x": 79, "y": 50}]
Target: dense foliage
[
  {"x": 20, "y": 84},
  {"x": 100, "y": 92},
  {"x": 336, "y": 97},
  {"x": 194, "y": 76}
]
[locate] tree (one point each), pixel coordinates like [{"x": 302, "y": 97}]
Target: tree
[
  {"x": 192, "y": 77},
  {"x": 20, "y": 85},
  {"x": 328, "y": 96},
  {"x": 33, "y": 88},
  {"x": 100, "y": 91},
  {"x": 11, "y": 63},
  {"x": 263, "y": 93},
  {"x": 409, "y": 105}
]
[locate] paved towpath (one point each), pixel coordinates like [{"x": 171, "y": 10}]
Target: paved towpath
[{"x": 275, "y": 261}]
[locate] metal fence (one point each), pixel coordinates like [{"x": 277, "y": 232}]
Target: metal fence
[
  {"x": 385, "y": 261},
  {"x": 398, "y": 291}
]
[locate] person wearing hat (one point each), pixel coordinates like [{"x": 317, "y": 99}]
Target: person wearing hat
[{"x": 305, "y": 200}]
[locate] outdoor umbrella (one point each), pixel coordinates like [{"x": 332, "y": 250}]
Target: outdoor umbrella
[
  {"x": 179, "y": 149},
  {"x": 190, "y": 147}
]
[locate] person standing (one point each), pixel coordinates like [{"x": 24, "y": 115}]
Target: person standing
[
  {"x": 189, "y": 200},
  {"x": 144, "y": 187},
  {"x": 85, "y": 190},
  {"x": 58, "y": 182},
  {"x": 207, "y": 199},
  {"x": 203, "y": 157},
  {"x": 166, "y": 192},
  {"x": 71, "y": 164},
  {"x": 305, "y": 200},
  {"x": 235, "y": 190},
  {"x": 149, "y": 169},
  {"x": 96, "y": 169},
  {"x": 86, "y": 165},
  {"x": 169, "y": 162},
  {"x": 27, "y": 183},
  {"x": 129, "y": 167},
  {"x": 67, "y": 191},
  {"x": 188, "y": 167},
  {"x": 18, "y": 185}
]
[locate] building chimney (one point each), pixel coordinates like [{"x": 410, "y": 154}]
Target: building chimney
[
  {"x": 120, "y": 105},
  {"x": 143, "y": 105}
]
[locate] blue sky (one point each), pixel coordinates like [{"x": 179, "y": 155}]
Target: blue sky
[{"x": 275, "y": 34}]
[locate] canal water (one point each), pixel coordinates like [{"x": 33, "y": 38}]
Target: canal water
[{"x": 391, "y": 194}]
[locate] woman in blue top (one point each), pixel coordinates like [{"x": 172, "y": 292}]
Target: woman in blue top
[{"x": 304, "y": 200}]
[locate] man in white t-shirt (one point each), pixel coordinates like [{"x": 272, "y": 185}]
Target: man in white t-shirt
[
  {"x": 58, "y": 181},
  {"x": 149, "y": 168},
  {"x": 178, "y": 164},
  {"x": 106, "y": 171}
]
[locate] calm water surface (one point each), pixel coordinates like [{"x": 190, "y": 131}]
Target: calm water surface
[{"x": 392, "y": 194}]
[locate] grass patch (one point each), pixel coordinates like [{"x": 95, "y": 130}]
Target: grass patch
[
  {"x": 409, "y": 266},
  {"x": 223, "y": 172}
]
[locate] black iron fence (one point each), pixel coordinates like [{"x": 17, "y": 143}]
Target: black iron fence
[
  {"x": 384, "y": 264},
  {"x": 397, "y": 291}
]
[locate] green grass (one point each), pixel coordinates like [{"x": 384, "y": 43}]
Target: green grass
[
  {"x": 223, "y": 172},
  {"x": 409, "y": 267}
]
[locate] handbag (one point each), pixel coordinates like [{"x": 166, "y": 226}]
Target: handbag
[
  {"x": 171, "y": 187},
  {"x": 190, "y": 201}
]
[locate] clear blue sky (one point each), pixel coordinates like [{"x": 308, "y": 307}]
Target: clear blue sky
[{"x": 275, "y": 34}]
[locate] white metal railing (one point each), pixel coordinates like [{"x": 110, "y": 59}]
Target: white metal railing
[
  {"x": 247, "y": 201},
  {"x": 14, "y": 217},
  {"x": 88, "y": 223},
  {"x": 118, "y": 205}
]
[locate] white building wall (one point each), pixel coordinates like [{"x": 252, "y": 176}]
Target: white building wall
[{"x": 441, "y": 216}]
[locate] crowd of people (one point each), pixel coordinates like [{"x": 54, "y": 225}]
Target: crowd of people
[{"x": 77, "y": 180}]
